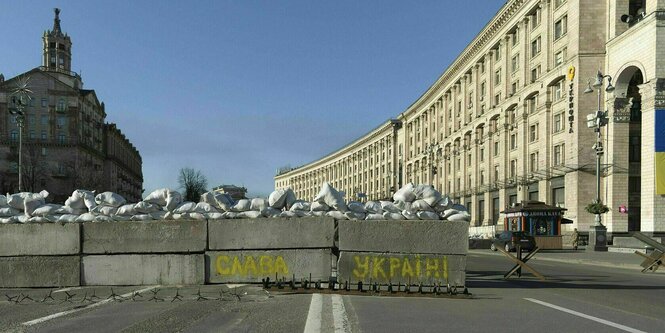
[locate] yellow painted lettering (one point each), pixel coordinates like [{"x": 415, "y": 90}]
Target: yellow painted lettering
[
  {"x": 250, "y": 266},
  {"x": 265, "y": 265},
  {"x": 395, "y": 264},
  {"x": 236, "y": 269},
  {"x": 445, "y": 268},
  {"x": 418, "y": 273},
  {"x": 361, "y": 269},
  {"x": 432, "y": 267},
  {"x": 221, "y": 261},
  {"x": 280, "y": 266},
  {"x": 407, "y": 270},
  {"x": 377, "y": 265}
]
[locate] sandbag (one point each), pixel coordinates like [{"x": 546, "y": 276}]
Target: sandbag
[
  {"x": 460, "y": 217},
  {"x": 67, "y": 218},
  {"x": 121, "y": 218},
  {"x": 373, "y": 207},
  {"x": 38, "y": 219},
  {"x": 48, "y": 209},
  {"x": 403, "y": 205},
  {"x": 126, "y": 210},
  {"x": 252, "y": 214},
  {"x": 104, "y": 210},
  {"x": 337, "y": 215},
  {"x": 258, "y": 204},
  {"x": 158, "y": 215},
  {"x": 73, "y": 211},
  {"x": 318, "y": 213},
  {"x": 390, "y": 207},
  {"x": 374, "y": 216},
  {"x": 282, "y": 198},
  {"x": 356, "y": 207},
  {"x": 164, "y": 197},
  {"x": 7, "y": 220},
  {"x": 87, "y": 217},
  {"x": 355, "y": 216},
  {"x": 30, "y": 204},
  {"x": 242, "y": 205},
  {"x": 300, "y": 205},
  {"x": 427, "y": 215},
  {"x": 230, "y": 215},
  {"x": 449, "y": 212},
  {"x": 81, "y": 199},
  {"x": 443, "y": 204},
  {"x": 317, "y": 206},
  {"x": 427, "y": 193},
  {"x": 214, "y": 216},
  {"x": 288, "y": 214},
  {"x": 110, "y": 199},
  {"x": 196, "y": 216},
  {"x": 3, "y": 201},
  {"x": 21, "y": 218},
  {"x": 145, "y": 207},
  {"x": 142, "y": 217},
  {"x": 221, "y": 201},
  {"x": 185, "y": 207},
  {"x": 410, "y": 215},
  {"x": 9, "y": 211},
  {"x": 103, "y": 218},
  {"x": 17, "y": 200},
  {"x": 405, "y": 194},
  {"x": 393, "y": 216},
  {"x": 204, "y": 208},
  {"x": 460, "y": 208},
  {"x": 421, "y": 205},
  {"x": 331, "y": 197},
  {"x": 270, "y": 212}
]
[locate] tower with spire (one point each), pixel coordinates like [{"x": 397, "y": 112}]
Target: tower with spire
[{"x": 57, "y": 47}]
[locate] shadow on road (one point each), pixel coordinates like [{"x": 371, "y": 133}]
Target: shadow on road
[{"x": 494, "y": 279}]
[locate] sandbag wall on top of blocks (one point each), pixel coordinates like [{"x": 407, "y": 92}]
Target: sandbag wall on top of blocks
[{"x": 190, "y": 252}]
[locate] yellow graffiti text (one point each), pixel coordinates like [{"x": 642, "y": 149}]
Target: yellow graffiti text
[{"x": 251, "y": 265}]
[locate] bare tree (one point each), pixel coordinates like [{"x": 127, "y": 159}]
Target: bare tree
[{"x": 193, "y": 182}]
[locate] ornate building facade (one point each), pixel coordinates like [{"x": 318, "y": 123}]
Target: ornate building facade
[
  {"x": 66, "y": 142},
  {"x": 507, "y": 121}
]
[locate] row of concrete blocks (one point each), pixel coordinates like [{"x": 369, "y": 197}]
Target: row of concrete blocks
[{"x": 197, "y": 252}]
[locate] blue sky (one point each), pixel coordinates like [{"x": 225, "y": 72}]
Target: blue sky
[{"x": 237, "y": 89}]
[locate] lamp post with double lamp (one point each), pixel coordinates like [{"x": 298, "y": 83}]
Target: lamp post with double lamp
[
  {"x": 598, "y": 120},
  {"x": 431, "y": 151},
  {"x": 20, "y": 99}
]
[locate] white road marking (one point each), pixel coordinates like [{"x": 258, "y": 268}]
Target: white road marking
[
  {"x": 67, "y": 289},
  {"x": 579, "y": 314},
  {"x": 313, "y": 323},
  {"x": 340, "y": 320},
  {"x": 64, "y": 313},
  {"x": 232, "y": 286}
]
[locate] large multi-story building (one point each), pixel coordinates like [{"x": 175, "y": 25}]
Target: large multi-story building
[
  {"x": 507, "y": 121},
  {"x": 66, "y": 142}
]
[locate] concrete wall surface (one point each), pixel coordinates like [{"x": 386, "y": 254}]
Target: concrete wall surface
[
  {"x": 39, "y": 239},
  {"x": 404, "y": 236},
  {"x": 263, "y": 233},
  {"x": 396, "y": 268},
  {"x": 40, "y": 271},
  {"x": 143, "y": 269},
  {"x": 252, "y": 266},
  {"x": 145, "y": 237}
]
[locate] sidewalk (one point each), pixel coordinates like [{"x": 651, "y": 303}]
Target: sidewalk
[{"x": 581, "y": 256}]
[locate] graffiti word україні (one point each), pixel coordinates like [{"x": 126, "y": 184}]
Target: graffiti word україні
[
  {"x": 396, "y": 268},
  {"x": 251, "y": 265}
]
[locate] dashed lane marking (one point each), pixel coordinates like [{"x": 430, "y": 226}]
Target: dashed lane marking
[
  {"x": 64, "y": 313},
  {"x": 579, "y": 314},
  {"x": 313, "y": 323},
  {"x": 340, "y": 320}
]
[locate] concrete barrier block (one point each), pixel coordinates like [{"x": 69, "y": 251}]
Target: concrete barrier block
[
  {"x": 273, "y": 233},
  {"x": 145, "y": 237},
  {"x": 404, "y": 236},
  {"x": 40, "y": 271},
  {"x": 252, "y": 266},
  {"x": 143, "y": 269},
  {"x": 39, "y": 239},
  {"x": 385, "y": 268}
]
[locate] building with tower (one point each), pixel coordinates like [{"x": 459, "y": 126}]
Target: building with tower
[
  {"x": 66, "y": 141},
  {"x": 507, "y": 121}
]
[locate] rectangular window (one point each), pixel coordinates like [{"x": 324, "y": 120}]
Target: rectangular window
[
  {"x": 496, "y": 172},
  {"x": 560, "y": 27},
  {"x": 496, "y": 148},
  {"x": 497, "y": 77},
  {"x": 43, "y": 135},
  {"x": 515, "y": 37},
  {"x": 558, "y": 122},
  {"x": 482, "y": 154},
  {"x": 557, "y": 90},
  {"x": 482, "y": 90},
  {"x": 513, "y": 141},
  {"x": 513, "y": 88},
  {"x": 497, "y": 53},
  {"x": 513, "y": 168},
  {"x": 559, "y": 197},
  {"x": 634, "y": 149},
  {"x": 558, "y": 3},
  {"x": 533, "y": 162},
  {"x": 535, "y": 74},
  {"x": 44, "y": 102},
  {"x": 43, "y": 151},
  {"x": 481, "y": 210},
  {"x": 535, "y": 19},
  {"x": 558, "y": 155},
  {"x": 497, "y": 99},
  {"x": 482, "y": 67},
  {"x": 515, "y": 63},
  {"x": 532, "y": 104},
  {"x": 535, "y": 47},
  {"x": 44, "y": 120},
  {"x": 533, "y": 132}
]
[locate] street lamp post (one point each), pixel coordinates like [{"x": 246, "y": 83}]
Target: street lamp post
[
  {"x": 597, "y": 121},
  {"x": 430, "y": 151},
  {"x": 20, "y": 99}
]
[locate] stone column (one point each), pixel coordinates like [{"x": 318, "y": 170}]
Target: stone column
[{"x": 616, "y": 181}]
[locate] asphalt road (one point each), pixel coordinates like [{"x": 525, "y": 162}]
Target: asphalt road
[{"x": 574, "y": 298}]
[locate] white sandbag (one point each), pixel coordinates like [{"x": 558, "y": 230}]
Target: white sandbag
[
  {"x": 460, "y": 217},
  {"x": 270, "y": 212},
  {"x": 393, "y": 216},
  {"x": 52, "y": 218},
  {"x": 355, "y": 216},
  {"x": 185, "y": 207},
  {"x": 331, "y": 197},
  {"x": 449, "y": 212},
  {"x": 259, "y": 204},
  {"x": 68, "y": 218},
  {"x": 142, "y": 217},
  {"x": 337, "y": 215},
  {"x": 427, "y": 215},
  {"x": 126, "y": 210},
  {"x": 158, "y": 215},
  {"x": 38, "y": 219},
  {"x": 145, "y": 207},
  {"x": 252, "y": 214},
  {"x": 9, "y": 211},
  {"x": 164, "y": 197},
  {"x": 173, "y": 199},
  {"x": 410, "y": 215},
  {"x": 300, "y": 205},
  {"x": 317, "y": 213},
  {"x": 169, "y": 215},
  {"x": 242, "y": 205},
  {"x": 373, "y": 207},
  {"x": 356, "y": 207},
  {"x": 30, "y": 204},
  {"x": 197, "y": 216},
  {"x": 3, "y": 201},
  {"x": 421, "y": 205},
  {"x": 122, "y": 218},
  {"x": 22, "y": 218},
  {"x": 405, "y": 194},
  {"x": 110, "y": 199},
  {"x": 221, "y": 201},
  {"x": 317, "y": 206},
  {"x": 288, "y": 214},
  {"x": 374, "y": 216},
  {"x": 81, "y": 199},
  {"x": 230, "y": 215},
  {"x": 214, "y": 216},
  {"x": 460, "y": 208},
  {"x": 7, "y": 220},
  {"x": 48, "y": 209},
  {"x": 104, "y": 210},
  {"x": 69, "y": 210},
  {"x": 87, "y": 217},
  {"x": 204, "y": 208},
  {"x": 104, "y": 218},
  {"x": 17, "y": 200},
  {"x": 427, "y": 193},
  {"x": 282, "y": 198},
  {"x": 403, "y": 205},
  {"x": 304, "y": 213},
  {"x": 390, "y": 207},
  {"x": 443, "y": 204}
]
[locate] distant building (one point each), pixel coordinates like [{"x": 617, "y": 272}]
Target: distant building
[
  {"x": 66, "y": 142},
  {"x": 235, "y": 192}
]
